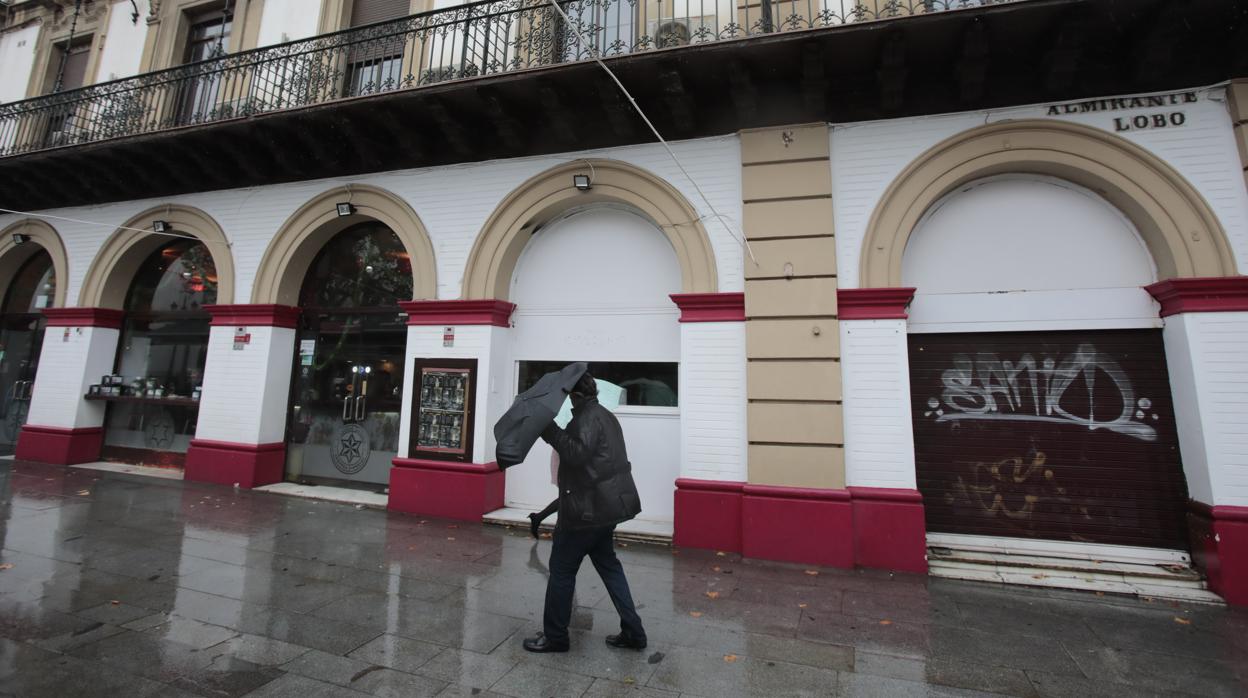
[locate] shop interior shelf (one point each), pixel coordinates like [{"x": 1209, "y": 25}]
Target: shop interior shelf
[{"x": 171, "y": 401}]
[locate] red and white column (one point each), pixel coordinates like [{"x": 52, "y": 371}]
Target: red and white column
[
  {"x": 240, "y": 438},
  {"x": 888, "y": 526},
  {"x": 79, "y": 346},
  {"x": 1206, "y": 338},
  {"x": 478, "y": 329},
  {"x": 708, "y": 506}
]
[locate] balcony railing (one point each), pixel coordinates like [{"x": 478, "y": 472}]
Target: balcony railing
[{"x": 482, "y": 38}]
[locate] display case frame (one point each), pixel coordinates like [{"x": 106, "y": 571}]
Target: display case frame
[{"x": 452, "y": 443}]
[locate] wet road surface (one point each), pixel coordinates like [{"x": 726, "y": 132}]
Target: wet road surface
[{"x": 122, "y": 585}]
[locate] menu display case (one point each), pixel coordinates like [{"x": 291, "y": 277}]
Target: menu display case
[{"x": 442, "y": 418}]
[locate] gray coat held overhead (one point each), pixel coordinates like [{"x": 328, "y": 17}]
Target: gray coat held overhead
[{"x": 596, "y": 485}]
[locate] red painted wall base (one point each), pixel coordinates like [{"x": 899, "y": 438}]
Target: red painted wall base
[
  {"x": 889, "y": 530},
  {"x": 859, "y": 526},
  {"x": 792, "y": 524},
  {"x": 708, "y": 515},
  {"x": 59, "y": 445},
  {"x": 1219, "y": 537},
  {"x": 227, "y": 463},
  {"x": 463, "y": 491}
]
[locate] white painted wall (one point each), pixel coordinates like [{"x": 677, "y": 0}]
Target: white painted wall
[
  {"x": 17, "y": 60},
  {"x": 875, "y": 375},
  {"x": 1019, "y": 252},
  {"x": 246, "y": 392},
  {"x": 868, "y": 156},
  {"x": 71, "y": 359},
  {"x": 1205, "y": 353},
  {"x": 453, "y": 203},
  {"x": 712, "y": 401},
  {"x": 123, "y": 42},
  {"x": 288, "y": 20}
]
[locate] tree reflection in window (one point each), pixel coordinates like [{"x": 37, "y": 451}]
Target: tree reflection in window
[
  {"x": 364, "y": 266},
  {"x": 364, "y": 270},
  {"x": 180, "y": 276}
]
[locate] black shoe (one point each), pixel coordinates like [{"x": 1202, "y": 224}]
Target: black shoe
[
  {"x": 541, "y": 644},
  {"x": 626, "y": 642},
  {"x": 534, "y": 523}
]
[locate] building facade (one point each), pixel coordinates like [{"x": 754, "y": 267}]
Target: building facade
[{"x": 916, "y": 303}]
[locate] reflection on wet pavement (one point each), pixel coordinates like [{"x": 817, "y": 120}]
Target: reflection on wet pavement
[{"x": 114, "y": 584}]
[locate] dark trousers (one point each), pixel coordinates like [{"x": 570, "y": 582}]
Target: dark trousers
[{"x": 570, "y": 548}]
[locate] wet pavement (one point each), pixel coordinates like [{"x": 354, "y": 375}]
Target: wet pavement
[{"x": 121, "y": 585}]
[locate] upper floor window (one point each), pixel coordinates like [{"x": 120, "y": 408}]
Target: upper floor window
[
  {"x": 68, "y": 68},
  {"x": 208, "y": 37}
]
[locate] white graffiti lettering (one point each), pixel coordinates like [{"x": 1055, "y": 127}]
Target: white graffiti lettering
[{"x": 988, "y": 388}]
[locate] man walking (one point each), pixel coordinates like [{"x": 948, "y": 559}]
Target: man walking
[{"x": 596, "y": 492}]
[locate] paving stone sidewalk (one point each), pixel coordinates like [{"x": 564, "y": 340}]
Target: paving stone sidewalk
[{"x": 128, "y": 586}]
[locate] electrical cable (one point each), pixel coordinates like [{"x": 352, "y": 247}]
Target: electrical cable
[
  {"x": 102, "y": 225},
  {"x": 593, "y": 53}
]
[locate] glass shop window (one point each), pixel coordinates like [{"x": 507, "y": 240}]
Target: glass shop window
[
  {"x": 161, "y": 356},
  {"x": 646, "y": 384},
  {"x": 33, "y": 287}
]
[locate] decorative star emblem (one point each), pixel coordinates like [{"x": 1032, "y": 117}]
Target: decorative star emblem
[{"x": 350, "y": 446}]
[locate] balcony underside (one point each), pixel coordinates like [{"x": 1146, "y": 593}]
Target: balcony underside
[{"x": 1036, "y": 51}]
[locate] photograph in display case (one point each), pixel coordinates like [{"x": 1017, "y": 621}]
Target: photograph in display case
[{"x": 445, "y": 399}]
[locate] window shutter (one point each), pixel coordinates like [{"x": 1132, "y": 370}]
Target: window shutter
[
  {"x": 370, "y": 11},
  {"x": 76, "y": 67}
]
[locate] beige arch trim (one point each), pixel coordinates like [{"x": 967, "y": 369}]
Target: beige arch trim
[
  {"x": 115, "y": 265},
  {"x": 43, "y": 237},
  {"x": 1182, "y": 233},
  {"x": 550, "y": 194},
  {"x": 302, "y": 236}
]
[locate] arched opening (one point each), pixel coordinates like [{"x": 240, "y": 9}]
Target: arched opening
[
  {"x": 593, "y": 285},
  {"x": 1040, "y": 394},
  {"x": 31, "y": 289},
  {"x": 346, "y": 393},
  {"x": 1183, "y": 235},
  {"x": 108, "y": 280},
  {"x": 549, "y": 195},
  {"x": 161, "y": 353}
]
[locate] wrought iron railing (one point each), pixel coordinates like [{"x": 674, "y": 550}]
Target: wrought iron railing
[{"x": 464, "y": 41}]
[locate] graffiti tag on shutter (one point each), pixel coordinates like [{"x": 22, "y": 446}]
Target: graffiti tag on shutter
[{"x": 988, "y": 388}]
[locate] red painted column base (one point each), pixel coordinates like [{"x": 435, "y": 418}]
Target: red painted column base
[
  {"x": 59, "y": 445},
  {"x": 708, "y": 515},
  {"x": 228, "y": 463},
  {"x": 462, "y": 491},
  {"x": 792, "y": 524},
  {"x": 859, "y": 526},
  {"x": 889, "y": 529},
  {"x": 1219, "y": 536}
]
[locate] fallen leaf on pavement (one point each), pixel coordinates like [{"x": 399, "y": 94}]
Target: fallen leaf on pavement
[
  {"x": 1182, "y": 621},
  {"x": 696, "y": 614},
  {"x": 720, "y": 553},
  {"x": 801, "y": 605},
  {"x": 84, "y": 492},
  {"x": 6, "y": 566},
  {"x": 450, "y": 537},
  {"x": 115, "y": 602},
  {"x": 629, "y": 680},
  {"x": 712, "y": 594},
  {"x": 1100, "y": 593},
  {"x": 813, "y": 573},
  {"x": 715, "y": 568},
  {"x": 886, "y": 622},
  {"x": 730, "y": 658}
]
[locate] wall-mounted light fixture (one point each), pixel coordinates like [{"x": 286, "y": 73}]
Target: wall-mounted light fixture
[
  {"x": 581, "y": 182},
  {"x": 19, "y": 238},
  {"x": 345, "y": 208},
  {"x": 160, "y": 226}
]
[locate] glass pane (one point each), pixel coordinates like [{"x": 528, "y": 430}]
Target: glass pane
[
  {"x": 34, "y": 286},
  {"x": 170, "y": 350},
  {"x": 362, "y": 267},
  {"x": 21, "y": 337},
  {"x": 444, "y": 397},
  {"x": 180, "y": 276},
  {"x": 645, "y": 384},
  {"x": 348, "y": 398},
  {"x": 142, "y": 432}
]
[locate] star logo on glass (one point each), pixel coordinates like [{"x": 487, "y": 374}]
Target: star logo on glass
[{"x": 350, "y": 449}]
